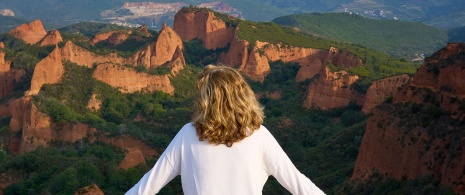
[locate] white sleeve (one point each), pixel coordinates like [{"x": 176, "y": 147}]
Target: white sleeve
[
  {"x": 166, "y": 168},
  {"x": 278, "y": 164}
]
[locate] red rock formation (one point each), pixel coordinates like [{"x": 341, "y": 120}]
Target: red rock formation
[
  {"x": 331, "y": 90},
  {"x": 133, "y": 157},
  {"x": 9, "y": 79},
  {"x": 407, "y": 138},
  {"x": 31, "y": 33},
  {"x": 160, "y": 51},
  {"x": 48, "y": 71},
  {"x": 381, "y": 89},
  {"x": 113, "y": 37},
  {"x": 4, "y": 65},
  {"x": 213, "y": 32},
  {"x": 52, "y": 38},
  {"x": 144, "y": 31},
  {"x": 177, "y": 62},
  {"x": 83, "y": 57},
  {"x": 127, "y": 80},
  {"x": 93, "y": 189},
  {"x": 257, "y": 66}
]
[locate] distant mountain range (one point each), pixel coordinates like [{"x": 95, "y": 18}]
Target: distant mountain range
[{"x": 55, "y": 13}]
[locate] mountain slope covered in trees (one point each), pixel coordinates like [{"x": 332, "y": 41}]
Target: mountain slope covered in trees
[{"x": 398, "y": 38}]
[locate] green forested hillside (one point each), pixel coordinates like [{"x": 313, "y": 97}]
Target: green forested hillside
[
  {"x": 375, "y": 64},
  {"x": 322, "y": 144},
  {"x": 398, "y": 38}
]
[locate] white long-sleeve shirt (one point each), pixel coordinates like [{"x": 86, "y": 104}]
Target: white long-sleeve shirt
[{"x": 209, "y": 169}]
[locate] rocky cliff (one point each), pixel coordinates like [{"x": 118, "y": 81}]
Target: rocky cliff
[
  {"x": 37, "y": 128},
  {"x": 113, "y": 37},
  {"x": 4, "y": 64},
  {"x": 421, "y": 130},
  {"x": 48, "y": 70},
  {"x": 127, "y": 80},
  {"x": 133, "y": 157},
  {"x": 331, "y": 90},
  {"x": 53, "y": 37},
  {"x": 81, "y": 56},
  {"x": 161, "y": 51},
  {"x": 30, "y": 33},
  {"x": 204, "y": 25},
  {"x": 381, "y": 89}
]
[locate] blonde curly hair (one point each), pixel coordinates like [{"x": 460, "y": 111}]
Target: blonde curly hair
[{"x": 227, "y": 110}]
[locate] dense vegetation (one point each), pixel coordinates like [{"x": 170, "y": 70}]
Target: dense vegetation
[
  {"x": 375, "y": 64},
  {"x": 322, "y": 144},
  {"x": 398, "y": 38}
]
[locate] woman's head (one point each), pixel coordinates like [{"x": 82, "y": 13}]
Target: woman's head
[{"x": 227, "y": 110}]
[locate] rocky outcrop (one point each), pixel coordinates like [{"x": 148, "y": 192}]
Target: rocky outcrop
[
  {"x": 127, "y": 80},
  {"x": 93, "y": 189},
  {"x": 144, "y": 30},
  {"x": 204, "y": 25},
  {"x": 30, "y": 33},
  {"x": 331, "y": 90},
  {"x": 177, "y": 62},
  {"x": 8, "y": 81},
  {"x": 53, "y": 37},
  {"x": 381, "y": 89},
  {"x": 37, "y": 128},
  {"x": 256, "y": 67},
  {"x": 6, "y": 12},
  {"x": 112, "y": 37},
  {"x": 421, "y": 131},
  {"x": 161, "y": 51},
  {"x": 4, "y": 64},
  {"x": 311, "y": 60},
  {"x": 83, "y": 57},
  {"x": 133, "y": 157},
  {"x": 48, "y": 71}
]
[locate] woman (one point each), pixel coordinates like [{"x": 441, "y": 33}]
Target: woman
[{"x": 225, "y": 150}]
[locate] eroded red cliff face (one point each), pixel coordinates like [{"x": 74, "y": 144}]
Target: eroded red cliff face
[
  {"x": 331, "y": 90},
  {"x": 133, "y": 157},
  {"x": 213, "y": 31},
  {"x": 113, "y": 37},
  {"x": 161, "y": 51},
  {"x": 48, "y": 71},
  {"x": 4, "y": 64},
  {"x": 381, "y": 89},
  {"x": 127, "y": 80},
  {"x": 53, "y": 37},
  {"x": 421, "y": 131},
  {"x": 81, "y": 56},
  {"x": 30, "y": 33}
]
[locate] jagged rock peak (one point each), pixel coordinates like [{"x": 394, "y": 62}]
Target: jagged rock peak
[
  {"x": 144, "y": 30},
  {"x": 163, "y": 27},
  {"x": 30, "y": 33},
  {"x": 53, "y": 37}
]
